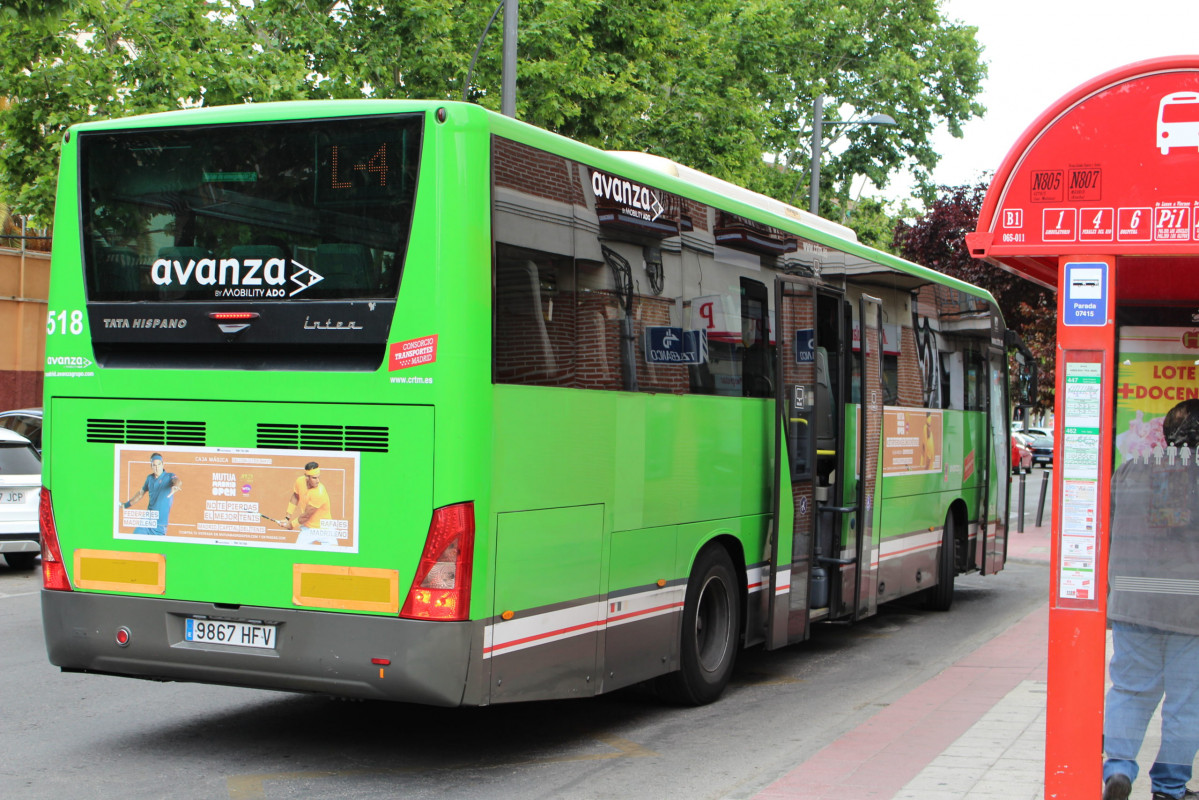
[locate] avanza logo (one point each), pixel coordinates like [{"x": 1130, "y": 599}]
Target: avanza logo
[{"x": 250, "y": 277}]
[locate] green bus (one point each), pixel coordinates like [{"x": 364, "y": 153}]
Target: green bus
[{"x": 413, "y": 401}]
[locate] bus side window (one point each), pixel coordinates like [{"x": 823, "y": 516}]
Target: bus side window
[
  {"x": 976, "y": 382},
  {"x": 532, "y": 335},
  {"x": 946, "y": 381},
  {"x": 757, "y": 373}
]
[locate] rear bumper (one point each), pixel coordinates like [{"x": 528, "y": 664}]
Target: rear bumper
[
  {"x": 22, "y": 542},
  {"x": 316, "y": 651}
]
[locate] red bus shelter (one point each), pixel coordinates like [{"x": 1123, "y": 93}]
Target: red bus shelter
[{"x": 1099, "y": 201}]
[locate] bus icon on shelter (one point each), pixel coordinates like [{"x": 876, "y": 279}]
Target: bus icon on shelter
[{"x": 1178, "y": 121}]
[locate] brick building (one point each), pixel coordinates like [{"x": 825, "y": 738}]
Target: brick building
[{"x": 24, "y": 288}]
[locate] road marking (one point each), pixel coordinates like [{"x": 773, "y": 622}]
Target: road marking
[
  {"x": 16, "y": 594},
  {"x": 251, "y": 787}
]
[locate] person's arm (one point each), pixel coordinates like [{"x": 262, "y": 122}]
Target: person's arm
[
  {"x": 312, "y": 509},
  {"x": 135, "y": 498},
  {"x": 291, "y": 509}
]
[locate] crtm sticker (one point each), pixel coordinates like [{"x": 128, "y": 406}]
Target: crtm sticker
[{"x": 412, "y": 353}]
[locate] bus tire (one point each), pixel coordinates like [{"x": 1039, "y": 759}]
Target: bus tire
[
  {"x": 711, "y": 632},
  {"x": 20, "y": 561},
  {"x": 940, "y": 597}
]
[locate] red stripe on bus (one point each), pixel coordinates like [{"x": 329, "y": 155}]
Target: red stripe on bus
[
  {"x": 909, "y": 549},
  {"x": 579, "y": 627},
  {"x": 631, "y": 614}
]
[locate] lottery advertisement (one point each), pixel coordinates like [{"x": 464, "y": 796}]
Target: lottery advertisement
[
  {"x": 283, "y": 499},
  {"x": 1156, "y": 370}
]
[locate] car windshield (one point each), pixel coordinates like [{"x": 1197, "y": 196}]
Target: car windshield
[{"x": 18, "y": 459}]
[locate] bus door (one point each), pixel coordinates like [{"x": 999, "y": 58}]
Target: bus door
[
  {"x": 792, "y": 532},
  {"x": 996, "y": 482},
  {"x": 870, "y": 427}
]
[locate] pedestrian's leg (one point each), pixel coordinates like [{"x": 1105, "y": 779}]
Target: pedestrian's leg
[
  {"x": 1180, "y": 716},
  {"x": 1137, "y": 686}
]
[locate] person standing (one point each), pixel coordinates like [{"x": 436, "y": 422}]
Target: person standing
[
  {"x": 309, "y": 504},
  {"x": 1153, "y": 610},
  {"x": 161, "y": 486}
]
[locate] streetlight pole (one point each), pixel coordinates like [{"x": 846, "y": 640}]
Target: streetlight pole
[
  {"x": 508, "y": 61},
  {"x": 818, "y": 123},
  {"x": 508, "y": 85},
  {"x": 817, "y": 135}
]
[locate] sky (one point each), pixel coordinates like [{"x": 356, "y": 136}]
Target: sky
[{"x": 1038, "y": 51}]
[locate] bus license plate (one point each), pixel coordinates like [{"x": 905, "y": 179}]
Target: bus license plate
[
  {"x": 238, "y": 634},
  {"x": 12, "y": 497}
]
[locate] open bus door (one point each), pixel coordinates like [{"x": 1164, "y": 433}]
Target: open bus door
[
  {"x": 991, "y": 554},
  {"x": 993, "y": 528},
  {"x": 815, "y": 572},
  {"x": 870, "y": 428},
  {"x": 794, "y": 527}
]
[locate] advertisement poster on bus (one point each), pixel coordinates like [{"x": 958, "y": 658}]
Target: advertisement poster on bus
[
  {"x": 1156, "y": 371},
  {"x": 283, "y": 499},
  {"x": 911, "y": 441}
]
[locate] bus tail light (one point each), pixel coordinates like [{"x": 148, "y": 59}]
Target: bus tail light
[
  {"x": 54, "y": 572},
  {"x": 441, "y": 588}
]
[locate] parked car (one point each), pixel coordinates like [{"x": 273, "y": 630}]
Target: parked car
[
  {"x": 20, "y": 487},
  {"x": 25, "y": 421},
  {"x": 1021, "y": 454},
  {"x": 1041, "y": 445}
]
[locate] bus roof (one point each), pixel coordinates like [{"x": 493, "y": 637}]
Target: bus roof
[{"x": 667, "y": 174}]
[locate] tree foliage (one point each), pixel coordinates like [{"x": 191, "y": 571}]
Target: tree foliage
[
  {"x": 714, "y": 84},
  {"x": 937, "y": 239}
]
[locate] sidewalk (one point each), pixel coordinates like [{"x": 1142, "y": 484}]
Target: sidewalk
[{"x": 974, "y": 732}]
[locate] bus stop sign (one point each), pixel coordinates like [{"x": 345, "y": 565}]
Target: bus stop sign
[{"x": 1085, "y": 302}]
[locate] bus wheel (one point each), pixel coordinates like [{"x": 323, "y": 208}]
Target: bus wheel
[
  {"x": 940, "y": 597},
  {"x": 711, "y": 632}
]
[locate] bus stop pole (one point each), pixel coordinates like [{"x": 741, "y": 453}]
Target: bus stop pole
[{"x": 1077, "y": 615}]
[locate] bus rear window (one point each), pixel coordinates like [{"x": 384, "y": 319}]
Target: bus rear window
[{"x": 280, "y": 212}]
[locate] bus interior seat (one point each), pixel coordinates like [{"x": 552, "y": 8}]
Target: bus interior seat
[
  {"x": 345, "y": 266},
  {"x": 184, "y": 254},
  {"x": 118, "y": 268},
  {"x": 262, "y": 251}
]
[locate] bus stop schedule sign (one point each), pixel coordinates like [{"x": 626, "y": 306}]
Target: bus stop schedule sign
[
  {"x": 1080, "y": 485},
  {"x": 1086, "y": 294}
]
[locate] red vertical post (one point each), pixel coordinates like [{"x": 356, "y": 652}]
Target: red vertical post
[{"x": 1078, "y": 620}]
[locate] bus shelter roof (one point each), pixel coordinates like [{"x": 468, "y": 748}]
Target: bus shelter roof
[{"x": 1110, "y": 169}]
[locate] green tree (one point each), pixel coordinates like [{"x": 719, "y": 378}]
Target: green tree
[
  {"x": 937, "y": 239},
  {"x": 64, "y": 63},
  {"x": 896, "y": 57},
  {"x": 714, "y": 84}
]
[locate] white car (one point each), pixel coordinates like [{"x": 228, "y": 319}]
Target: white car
[{"x": 20, "y": 487}]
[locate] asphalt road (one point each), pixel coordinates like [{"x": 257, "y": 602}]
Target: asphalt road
[{"x": 100, "y": 737}]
